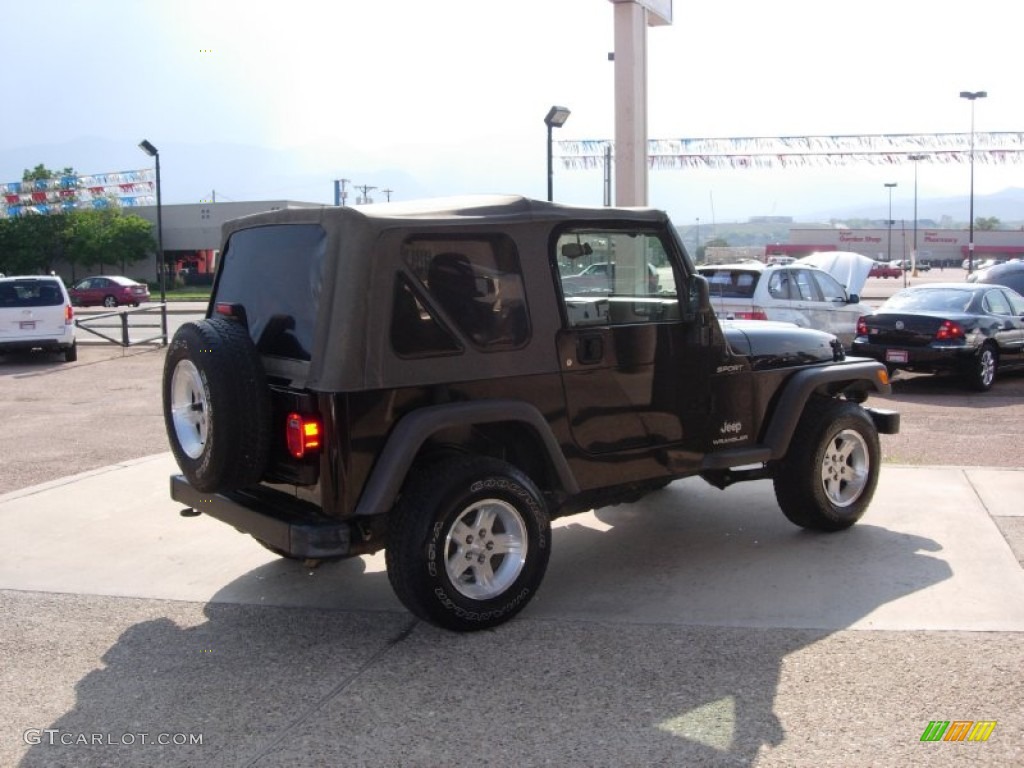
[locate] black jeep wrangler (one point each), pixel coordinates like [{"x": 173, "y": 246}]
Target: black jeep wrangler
[{"x": 415, "y": 377}]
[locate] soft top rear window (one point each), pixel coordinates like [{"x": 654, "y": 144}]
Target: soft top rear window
[
  {"x": 275, "y": 273},
  {"x": 30, "y": 293}
]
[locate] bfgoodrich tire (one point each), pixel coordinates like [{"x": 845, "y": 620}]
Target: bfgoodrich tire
[
  {"x": 829, "y": 475},
  {"x": 216, "y": 405},
  {"x": 468, "y": 543}
]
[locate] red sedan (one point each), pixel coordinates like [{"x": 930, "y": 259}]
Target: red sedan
[
  {"x": 885, "y": 270},
  {"x": 110, "y": 291}
]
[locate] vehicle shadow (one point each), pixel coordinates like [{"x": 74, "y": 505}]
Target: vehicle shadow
[
  {"x": 950, "y": 390},
  {"x": 20, "y": 363},
  {"x": 658, "y": 638}
]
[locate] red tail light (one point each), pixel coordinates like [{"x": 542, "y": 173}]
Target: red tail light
[
  {"x": 302, "y": 434},
  {"x": 949, "y": 331},
  {"x": 862, "y": 326},
  {"x": 69, "y": 314},
  {"x": 755, "y": 314}
]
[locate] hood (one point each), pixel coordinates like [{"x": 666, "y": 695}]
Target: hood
[
  {"x": 780, "y": 345},
  {"x": 850, "y": 269}
]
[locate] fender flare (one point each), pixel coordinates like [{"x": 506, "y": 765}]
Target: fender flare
[
  {"x": 801, "y": 386},
  {"x": 404, "y": 442}
]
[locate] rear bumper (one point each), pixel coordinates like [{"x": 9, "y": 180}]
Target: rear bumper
[
  {"x": 929, "y": 358},
  {"x": 51, "y": 343},
  {"x": 281, "y": 522}
]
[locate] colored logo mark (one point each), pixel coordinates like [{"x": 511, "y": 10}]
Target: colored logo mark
[{"x": 958, "y": 730}]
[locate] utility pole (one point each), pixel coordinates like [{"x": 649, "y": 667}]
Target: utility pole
[
  {"x": 388, "y": 193},
  {"x": 366, "y": 190},
  {"x": 340, "y": 195}
]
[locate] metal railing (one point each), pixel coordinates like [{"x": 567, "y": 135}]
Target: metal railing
[{"x": 91, "y": 323}]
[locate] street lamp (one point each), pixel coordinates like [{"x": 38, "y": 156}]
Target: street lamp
[
  {"x": 888, "y": 223},
  {"x": 153, "y": 152},
  {"x": 915, "y": 158},
  {"x": 555, "y": 118},
  {"x": 971, "y": 96}
]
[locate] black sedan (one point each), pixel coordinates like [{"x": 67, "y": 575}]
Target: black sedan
[
  {"x": 1010, "y": 274},
  {"x": 972, "y": 329}
]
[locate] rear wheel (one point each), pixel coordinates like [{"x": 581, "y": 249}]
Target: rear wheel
[
  {"x": 982, "y": 373},
  {"x": 71, "y": 353},
  {"x": 216, "y": 405},
  {"x": 829, "y": 475},
  {"x": 468, "y": 543}
]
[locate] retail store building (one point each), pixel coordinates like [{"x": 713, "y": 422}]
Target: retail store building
[{"x": 939, "y": 247}]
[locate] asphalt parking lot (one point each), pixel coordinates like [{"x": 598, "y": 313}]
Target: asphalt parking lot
[{"x": 718, "y": 635}]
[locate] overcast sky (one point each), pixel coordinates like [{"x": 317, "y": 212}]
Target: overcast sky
[{"x": 450, "y": 95}]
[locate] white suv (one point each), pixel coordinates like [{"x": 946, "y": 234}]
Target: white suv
[
  {"x": 36, "y": 313},
  {"x": 795, "y": 293}
]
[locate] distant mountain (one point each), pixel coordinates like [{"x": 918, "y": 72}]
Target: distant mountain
[{"x": 1007, "y": 206}]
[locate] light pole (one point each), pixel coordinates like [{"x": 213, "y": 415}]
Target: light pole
[
  {"x": 153, "y": 152},
  {"x": 555, "y": 118},
  {"x": 888, "y": 223},
  {"x": 971, "y": 96},
  {"x": 913, "y": 253},
  {"x": 696, "y": 242}
]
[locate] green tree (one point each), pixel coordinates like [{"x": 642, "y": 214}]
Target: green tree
[
  {"x": 41, "y": 172},
  {"x": 36, "y": 243},
  {"x": 986, "y": 224},
  {"x": 33, "y": 243},
  {"x": 108, "y": 237}
]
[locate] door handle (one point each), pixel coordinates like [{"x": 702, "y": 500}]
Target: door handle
[{"x": 590, "y": 349}]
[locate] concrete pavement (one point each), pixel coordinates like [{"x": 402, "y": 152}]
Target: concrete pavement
[{"x": 671, "y": 631}]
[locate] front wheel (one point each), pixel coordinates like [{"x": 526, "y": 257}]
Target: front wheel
[
  {"x": 468, "y": 543},
  {"x": 829, "y": 475},
  {"x": 109, "y": 301}
]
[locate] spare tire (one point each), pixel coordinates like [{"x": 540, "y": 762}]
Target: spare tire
[{"x": 217, "y": 405}]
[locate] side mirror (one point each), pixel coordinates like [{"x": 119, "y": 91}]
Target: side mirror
[
  {"x": 698, "y": 296},
  {"x": 853, "y": 299}
]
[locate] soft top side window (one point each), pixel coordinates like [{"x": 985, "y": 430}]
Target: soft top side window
[{"x": 473, "y": 286}]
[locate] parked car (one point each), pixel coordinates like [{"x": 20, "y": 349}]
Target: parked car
[
  {"x": 885, "y": 269},
  {"x": 1010, "y": 274},
  {"x": 600, "y": 278},
  {"x": 110, "y": 291},
  {"x": 36, "y": 314},
  {"x": 972, "y": 329},
  {"x": 798, "y": 293}
]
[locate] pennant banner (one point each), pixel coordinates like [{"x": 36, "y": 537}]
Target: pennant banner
[
  {"x": 808, "y": 151},
  {"x": 65, "y": 193}
]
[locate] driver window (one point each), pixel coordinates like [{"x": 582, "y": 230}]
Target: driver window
[{"x": 615, "y": 278}]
